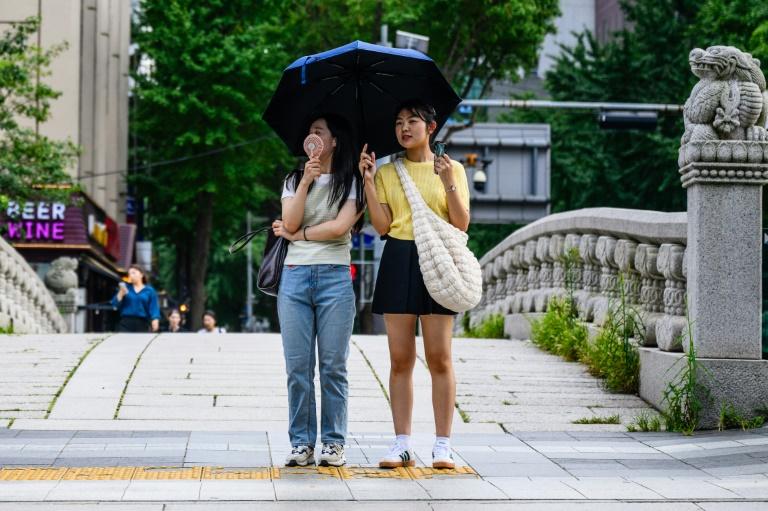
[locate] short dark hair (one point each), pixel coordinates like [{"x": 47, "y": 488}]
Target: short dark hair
[
  {"x": 140, "y": 270},
  {"x": 210, "y": 313},
  {"x": 422, "y": 110}
]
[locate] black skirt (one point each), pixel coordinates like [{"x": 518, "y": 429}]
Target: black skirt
[
  {"x": 400, "y": 286},
  {"x": 133, "y": 324}
]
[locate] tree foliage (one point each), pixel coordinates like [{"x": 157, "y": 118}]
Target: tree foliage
[
  {"x": 28, "y": 159},
  {"x": 647, "y": 63}
]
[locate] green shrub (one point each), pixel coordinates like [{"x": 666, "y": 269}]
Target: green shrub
[
  {"x": 559, "y": 330},
  {"x": 730, "y": 418},
  {"x": 6, "y": 330},
  {"x": 491, "y": 327}
]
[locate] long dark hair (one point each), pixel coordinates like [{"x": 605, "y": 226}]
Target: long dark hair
[
  {"x": 344, "y": 174},
  {"x": 422, "y": 110}
]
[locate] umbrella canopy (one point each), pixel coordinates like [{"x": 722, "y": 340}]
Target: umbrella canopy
[{"x": 364, "y": 83}]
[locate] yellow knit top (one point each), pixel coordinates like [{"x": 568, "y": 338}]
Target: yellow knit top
[{"x": 390, "y": 192}]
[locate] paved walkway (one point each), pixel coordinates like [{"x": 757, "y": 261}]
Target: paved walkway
[{"x": 174, "y": 421}]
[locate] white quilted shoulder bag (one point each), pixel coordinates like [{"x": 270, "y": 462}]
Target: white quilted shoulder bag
[{"x": 451, "y": 271}]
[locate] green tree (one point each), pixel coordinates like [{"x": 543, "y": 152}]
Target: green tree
[
  {"x": 473, "y": 41},
  {"x": 28, "y": 160},
  {"x": 213, "y": 66}
]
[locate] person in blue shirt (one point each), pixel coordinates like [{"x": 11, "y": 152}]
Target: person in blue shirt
[{"x": 137, "y": 303}]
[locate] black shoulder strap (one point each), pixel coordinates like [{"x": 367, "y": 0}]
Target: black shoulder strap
[{"x": 243, "y": 240}]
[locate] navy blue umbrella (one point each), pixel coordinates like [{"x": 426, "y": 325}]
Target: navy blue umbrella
[{"x": 364, "y": 83}]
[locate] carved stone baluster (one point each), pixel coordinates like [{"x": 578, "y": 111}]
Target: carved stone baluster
[
  {"x": 651, "y": 289},
  {"x": 529, "y": 256},
  {"x": 521, "y": 278},
  {"x": 671, "y": 326},
  {"x": 556, "y": 252},
  {"x": 501, "y": 281},
  {"x": 545, "y": 274},
  {"x": 509, "y": 285},
  {"x": 625, "y": 260},
  {"x": 590, "y": 276},
  {"x": 573, "y": 241},
  {"x": 609, "y": 279}
]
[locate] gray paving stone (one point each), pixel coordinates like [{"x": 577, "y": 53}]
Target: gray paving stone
[
  {"x": 527, "y": 488},
  {"x": 311, "y": 488}
]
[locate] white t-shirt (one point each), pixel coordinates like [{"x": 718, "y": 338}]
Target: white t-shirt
[
  {"x": 217, "y": 330},
  {"x": 322, "y": 180}
]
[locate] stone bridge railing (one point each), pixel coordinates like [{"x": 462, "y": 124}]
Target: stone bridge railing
[
  {"x": 25, "y": 302},
  {"x": 522, "y": 273}
]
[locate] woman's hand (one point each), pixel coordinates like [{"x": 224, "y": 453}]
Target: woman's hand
[
  {"x": 444, "y": 169},
  {"x": 367, "y": 165},
  {"x": 279, "y": 230},
  {"x": 311, "y": 170},
  {"x": 155, "y": 325},
  {"x": 122, "y": 291}
]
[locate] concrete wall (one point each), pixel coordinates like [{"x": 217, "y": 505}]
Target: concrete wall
[
  {"x": 576, "y": 16},
  {"x": 92, "y": 75}
]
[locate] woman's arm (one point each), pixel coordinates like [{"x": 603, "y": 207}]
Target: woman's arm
[
  {"x": 329, "y": 230},
  {"x": 154, "y": 311},
  {"x": 458, "y": 214},
  {"x": 293, "y": 207},
  {"x": 381, "y": 215}
]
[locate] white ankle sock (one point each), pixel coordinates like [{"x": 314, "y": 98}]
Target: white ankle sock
[
  {"x": 404, "y": 441},
  {"x": 443, "y": 441}
]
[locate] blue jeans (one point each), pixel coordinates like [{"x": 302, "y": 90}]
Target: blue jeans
[{"x": 316, "y": 304}]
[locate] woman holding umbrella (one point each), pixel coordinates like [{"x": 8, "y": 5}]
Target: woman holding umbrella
[
  {"x": 400, "y": 293},
  {"x": 316, "y": 301}
]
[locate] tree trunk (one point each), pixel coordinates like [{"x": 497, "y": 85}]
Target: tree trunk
[{"x": 199, "y": 258}]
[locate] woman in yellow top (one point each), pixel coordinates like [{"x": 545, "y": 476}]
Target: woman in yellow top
[{"x": 400, "y": 293}]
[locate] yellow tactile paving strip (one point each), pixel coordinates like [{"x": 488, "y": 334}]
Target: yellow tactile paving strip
[{"x": 206, "y": 473}]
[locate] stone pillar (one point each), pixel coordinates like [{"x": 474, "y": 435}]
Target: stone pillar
[
  {"x": 573, "y": 241},
  {"x": 651, "y": 289},
  {"x": 724, "y": 180},
  {"x": 671, "y": 327}
]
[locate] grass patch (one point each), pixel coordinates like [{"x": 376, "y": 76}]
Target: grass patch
[
  {"x": 609, "y": 419},
  {"x": 491, "y": 327},
  {"x": 730, "y": 418},
  {"x": 375, "y": 374},
  {"x": 646, "y": 422},
  {"x": 6, "y": 330},
  {"x": 10, "y": 422}
]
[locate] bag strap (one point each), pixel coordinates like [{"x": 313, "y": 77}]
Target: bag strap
[
  {"x": 243, "y": 240},
  {"x": 415, "y": 200}
]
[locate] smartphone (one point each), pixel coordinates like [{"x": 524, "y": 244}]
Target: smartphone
[{"x": 439, "y": 151}]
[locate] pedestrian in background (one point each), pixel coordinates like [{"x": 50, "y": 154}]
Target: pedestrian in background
[
  {"x": 137, "y": 303},
  {"x": 174, "y": 322},
  {"x": 209, "y": 324}
]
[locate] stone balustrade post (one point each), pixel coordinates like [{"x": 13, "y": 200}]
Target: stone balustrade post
[
  {"x": 625, "y": 260},
  {"x": 590, "y": 276},
  {"x": 521, "y": 278},
  {"x": 533, "y": 276},
  {"x": 609, "y": 279},
  {"x": 556, "y": 253},
  {"x": 574, "y": 280},
  {"x": 671, "y": 326},
  {"x": 545, "y": 274},
  {"x": 509, "y": 285},
  {"x": 651, "y": 289},
  {"x": 500, "y": 273}
]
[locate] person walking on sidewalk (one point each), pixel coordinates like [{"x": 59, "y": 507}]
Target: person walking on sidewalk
[
  {"x": 137, "y": 303},
  {"x": 316, "y": 301},
  {"x": 209, "y": 324},
  {"x": 400, "y": 294}
]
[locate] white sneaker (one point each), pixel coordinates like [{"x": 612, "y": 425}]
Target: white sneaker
[
  {"x": 441, "y": 457},
  {"x": 398, "y": 457},
  {"x": 332, "y": 455},
  {"x": 301, "y": 456}
]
